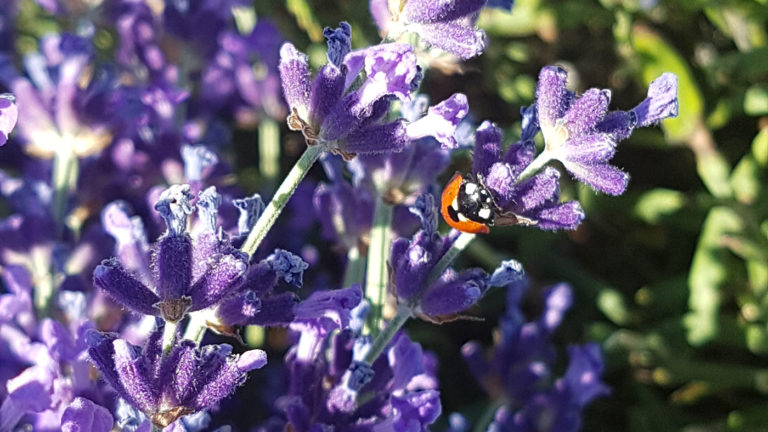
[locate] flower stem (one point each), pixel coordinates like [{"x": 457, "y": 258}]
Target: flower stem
[
  {"x": 269, "y": 151},
  {"x": 487, "y": 417},
  {"x": 461, "y": 242},
  {"x": 378, "y": 256},
  {"x": 355, "y": 272},
  {"x": 196, "y": 327},
  {"x": 279, "y": 201},
  {"x": 542, "y": 159},
  {"x": 63, "y": 181},
  {"x": 169, "y": 336},
  {"x": 382, "y": 339}
]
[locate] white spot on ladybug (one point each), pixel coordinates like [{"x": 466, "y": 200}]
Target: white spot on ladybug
[
  {"x": 470, "y": 188},
  {"x": 484, "y": 213}
]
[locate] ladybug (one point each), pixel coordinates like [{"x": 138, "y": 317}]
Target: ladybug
[{"x": 468, "y": 206}]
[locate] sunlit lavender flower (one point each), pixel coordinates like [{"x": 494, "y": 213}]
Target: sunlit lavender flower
[
  {"x": 189, "y": 275},
  {"x": 166, "y": 387},
  {"x": 448, "y": 25},
  {"x": 580, "y": 132},
  {"x": 349, "y": 123},
  {"x": 50, "y": 101},
  {"x": 530, "y": 201},
  {"x": 441, "y": 296},
  {"x": 84, "y": 415}
]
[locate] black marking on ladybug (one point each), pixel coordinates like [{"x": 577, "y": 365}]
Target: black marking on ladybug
[{"x": 474, "y": 202}]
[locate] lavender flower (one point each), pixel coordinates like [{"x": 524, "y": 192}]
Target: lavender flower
[
  {"x": 448, "y": 25},
  {"x": 49, "y": 114},
  {"x": 262, "y": 299},
  {"x": 520, "y": 368},
  {"x": 9, "y": 113},
  {"x": 84, "y": 415},
  {"x": 581, "y": 133},
  {"x": 532, "y": 201},
  {"x": 349, "y": 122},
  {"x": 443, "y": 296},
  {"x": 165, "y": 388},
  {"x": 401, "y": 177},
  {"x": 327, "y": 375},
  {"x": 189, "y": 275}
]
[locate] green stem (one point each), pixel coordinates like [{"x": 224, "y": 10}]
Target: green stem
[
  {"x": 487, "y": 417},
  {"x": 279, "y": 201},
  {"x": 542, "y": 159},
  {"x": 63, "y": 180},
  {"x": 461, "y": 242},
  {"x": 382, "y": 339},
  {"x": 169, "y": 337},
  {"x": 378, "y": 256},
  {"x": 196, "y": 328},
  {"x": 355, "y": 272},
  {"x": 269, "y": 151}
]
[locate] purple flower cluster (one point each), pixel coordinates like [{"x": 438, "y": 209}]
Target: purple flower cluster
[
  {"x": 520, "y": 372},
  {"x": 102, "y": 329}
]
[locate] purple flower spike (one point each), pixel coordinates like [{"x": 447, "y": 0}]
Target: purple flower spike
[
  {"x": 9, "y": 113},
  {"x": 661, "y": 102},
  {"x": 441, "y": 121},
  {"x": 448, "y": 25},
  {"x": 345, "y": 118},
  {"x": 250, "y": 209},
  {"x": 294, "y": 73},
  {"x": 174, "y": 207},
  {"x": 83, "y": 415},
  {"x": 187, "y": 275},
  {"x": 111, "y": 277},
  {"x": 339, "y": 42},
  {"x": 454, "y": 37},
  {"x": 197, "y": 161},
  {"x": 444, "y": 299},
  {"x": 164, "y": 388},
  {"x": 581, "y": 133},
  {"x": 288, "y": 266}
]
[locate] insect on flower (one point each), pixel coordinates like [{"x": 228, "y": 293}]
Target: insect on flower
[{"x": 468, "y": 206}]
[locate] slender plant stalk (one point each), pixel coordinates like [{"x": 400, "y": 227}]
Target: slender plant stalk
[
  {"x": 63, "y": 180},
  {"x": 378, "y": 256},
  {"x": 169, "y": 337},
  {"x": 269, "y": 151},
  {"x": 382, "y": 339},
  {"x": 196, "y": 327},
  {"x": 461, "y": 242},
  {"x": 279, "y": 201},
  {"x": 542, "y": 159},
  {"x": 355, "y": 272},
  {"x": 487, "y": 417}
]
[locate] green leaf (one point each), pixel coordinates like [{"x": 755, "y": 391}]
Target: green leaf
[
  {"x": 654, "y": 205},
  {"x": 714, "y": 171},
  {"x": 745, "y": 180},
  {"x": 760, "y": 147},
  {"x": 708, "y": 275},
  {"x": 756, "y": 100},
  {"x": 611, "y": 303},
  {"x": 656, "y": 57},
  {"x": 305, "y": 18}
]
